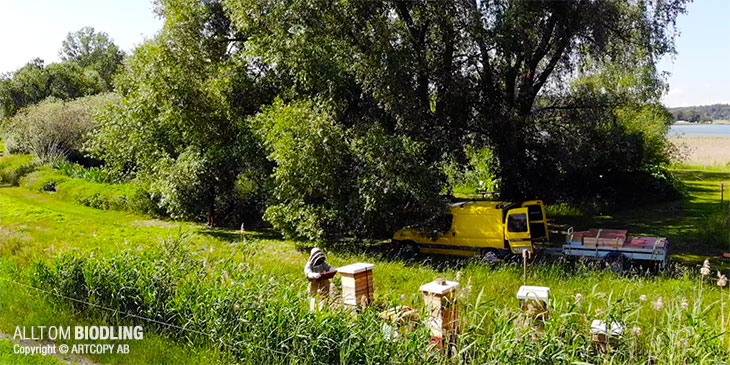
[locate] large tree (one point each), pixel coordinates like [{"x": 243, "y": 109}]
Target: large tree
[
  {"x": 94, "y": 50},
  {"x": 180, "y": 124},
  {"x": 450, "y": 73}
]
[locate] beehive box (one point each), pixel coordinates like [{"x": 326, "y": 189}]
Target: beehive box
[
  {"x": 443, "y": 312},
  {"x": 603, "y": 334},
  {"x": 357, "y": 284},
  {"x": 601, "y": 237},
  {"x": 534, "y": 300}
]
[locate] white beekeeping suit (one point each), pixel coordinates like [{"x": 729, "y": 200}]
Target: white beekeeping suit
[
  {"x": 319, "y": 288},
  {"x": 316, "y": 264}
]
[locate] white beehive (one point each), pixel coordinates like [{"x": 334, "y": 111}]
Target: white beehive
[
  {"x": 357, "y": 284},
  {"x": 443, "y": 313},
  {"x": 534, "y": 299}
]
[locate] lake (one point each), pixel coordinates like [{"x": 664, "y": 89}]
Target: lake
[{"x": 702, "y": 130}]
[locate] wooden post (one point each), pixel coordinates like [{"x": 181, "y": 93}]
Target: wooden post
[
  {"x": 443, "y": 312},
  {"x": 357, "y": 284},
  {"x": 524, "y": 267}
]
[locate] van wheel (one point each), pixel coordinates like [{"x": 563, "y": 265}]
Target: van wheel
[
  {"x": 490, "y": 255},
  {"x": 408, "y": 249}
]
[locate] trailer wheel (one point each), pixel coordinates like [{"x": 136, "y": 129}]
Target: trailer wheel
[{"x": 617, "y": 262}]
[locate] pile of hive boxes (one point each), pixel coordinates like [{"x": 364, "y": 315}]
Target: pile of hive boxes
[{"x": 614, "y": 238}]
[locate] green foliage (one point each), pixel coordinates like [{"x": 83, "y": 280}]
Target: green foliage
[
  {"x": 54, "y": 130},
  {"x": 14, "y": 167},
  {"x": 332, "y": 182},
  {"x": 468, "y": 73},
  {"x": 33, "y": 83},
  {"x": 715, "y": 228},
  {"x": 701, "y": 113},
  {"x": 94, "y": 51},
  {"x": 477, "y": 176},
  {"x": 184, "y": 98},
  {"x": 93, "y": 174}
]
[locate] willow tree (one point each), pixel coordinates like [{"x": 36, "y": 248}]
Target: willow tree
[{"x": 450, "y": 73}]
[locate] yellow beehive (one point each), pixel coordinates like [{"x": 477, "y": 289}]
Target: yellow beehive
[
  {"x": 357, "y": 284},
  {"x": 440, "y": 298}
]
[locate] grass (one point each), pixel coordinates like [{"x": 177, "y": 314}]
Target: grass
[
  {"x": 682, "y": 221},
  {"x": 37, "y": 226},
  {"x": 249, "y": 290}
]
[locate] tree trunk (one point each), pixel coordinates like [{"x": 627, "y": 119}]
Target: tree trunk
[{"x": 211, "y": 208}]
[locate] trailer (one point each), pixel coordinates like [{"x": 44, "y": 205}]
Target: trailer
[{"x": 615, "y": 246}]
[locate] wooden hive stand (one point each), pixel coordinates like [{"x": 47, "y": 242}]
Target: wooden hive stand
[
  {"x": 357, "y": 284},
  {"x": 443, "y": 311}
]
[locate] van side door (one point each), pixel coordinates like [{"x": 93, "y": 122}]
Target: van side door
[
  {"x": 538, "y": 220},
  {"x": 517, "y": 230}
]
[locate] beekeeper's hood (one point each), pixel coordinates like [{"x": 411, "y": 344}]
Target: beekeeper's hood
[{"x": 316, "y": 257}]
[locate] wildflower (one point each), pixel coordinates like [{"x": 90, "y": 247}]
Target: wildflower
[
  {"x": 236, "y": 306},
  {"x": 685, "y": 303},
  {"x": 458, "y": 275},
  {"x": 226, "y": 277},
  {"x": 705, "y": 270},
  {"x": 402, "y": 298},
  {"x": 642, "y": 298},
  {"x": 658, "y": 304},
  {"x": 721, "y": 279},
  {"x": 636, "y": 330},
  {"x": 241, "y": 267},
  {"x": 578, "y": 298}
]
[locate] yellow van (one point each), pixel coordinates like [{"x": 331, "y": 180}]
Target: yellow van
[{"x": 486, "y": 228}]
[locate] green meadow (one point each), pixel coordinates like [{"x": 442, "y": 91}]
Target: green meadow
[{"x": 246, "y": 291}]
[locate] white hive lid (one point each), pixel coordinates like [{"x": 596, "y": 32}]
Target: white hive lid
[
  {"x": 598, "y": 327},
  {"x": 435, "y": 287},
  {"x": 534, "y": 292},
  {"x": 355, "y": 268}
]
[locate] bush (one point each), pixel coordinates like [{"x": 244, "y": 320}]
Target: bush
[
  {"x": 13, "y": 167},
  {"x": 332, "y": 182},
  {"x": 22, "y": 170},
  {"x": 54, "y": 130}
]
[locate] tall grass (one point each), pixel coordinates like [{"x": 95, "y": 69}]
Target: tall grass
[
  {"x": 715, "y": 228},
  {"x": 257, "y": 317}
]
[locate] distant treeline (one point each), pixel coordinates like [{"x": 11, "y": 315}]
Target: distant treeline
[{"x": 701, "y": 113}]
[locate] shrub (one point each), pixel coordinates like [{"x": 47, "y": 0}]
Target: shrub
[
  {"x": 13, "y": 167},
  {"x": 331, "y": 181},
  {"x": 54, "y": 130}
]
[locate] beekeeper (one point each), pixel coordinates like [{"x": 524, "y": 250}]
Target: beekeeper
[{"x": 314, "y": 268}]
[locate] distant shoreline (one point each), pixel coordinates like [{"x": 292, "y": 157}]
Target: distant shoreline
[{"x": 714, "y": 122}]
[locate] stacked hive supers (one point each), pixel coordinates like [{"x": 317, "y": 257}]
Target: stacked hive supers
[
  {"x": 357, "y": 284},
  {"x": 440, "y": 298}
]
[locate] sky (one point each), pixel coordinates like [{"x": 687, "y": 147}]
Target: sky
[
  {"x": 700, "y": 72},
  {"x": 35, "y": 28}
]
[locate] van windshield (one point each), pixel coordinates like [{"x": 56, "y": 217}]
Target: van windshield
[{"x": 517, "y": 222}]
